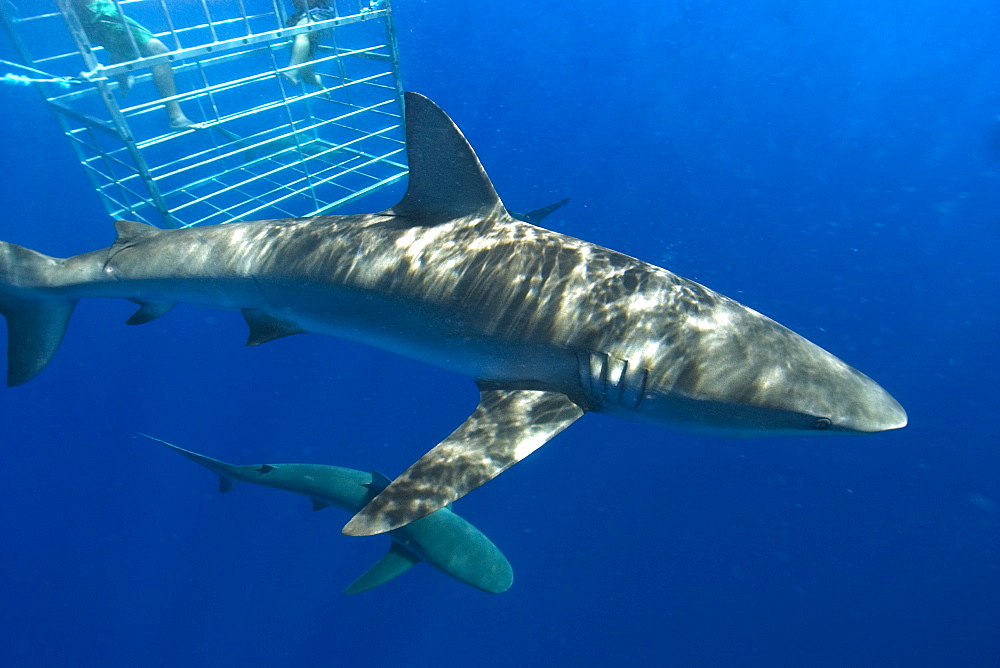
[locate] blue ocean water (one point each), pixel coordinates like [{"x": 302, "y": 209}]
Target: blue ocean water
[{"x": 834, "y": 165}]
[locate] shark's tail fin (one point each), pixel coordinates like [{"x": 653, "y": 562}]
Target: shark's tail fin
[
  {"x": 36, "y": 321},
  {"x": 227, "y": 482}
]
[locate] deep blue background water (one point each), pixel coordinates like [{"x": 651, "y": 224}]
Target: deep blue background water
[{"x": 835, "y": 165}]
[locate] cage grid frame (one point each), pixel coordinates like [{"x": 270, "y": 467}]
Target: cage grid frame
[{"x": 263, "y": 147}]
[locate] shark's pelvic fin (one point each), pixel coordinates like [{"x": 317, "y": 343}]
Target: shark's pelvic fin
[
  {"x": 396, "y": 561},
  {"x": 148, "y": 311},
  {"x": 319, "y": 505},
  {"x": 506, "y": 427},
  {"x": 264, "y": 327},
  {"x": 446, "y": 179},
  {"x": 227, "y": 484}
]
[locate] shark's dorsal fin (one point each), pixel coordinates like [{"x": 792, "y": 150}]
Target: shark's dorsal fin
[
  {"x": 265, "y": 327},
  {"x": 379, "y": 482},
  {"x": 507, "y": 426},
  {"x": 396, "y": 561},
  {"x": 446, "y": 178},
  {"x": 130, "y": 230},
  {"x": 148, "y": 311}
]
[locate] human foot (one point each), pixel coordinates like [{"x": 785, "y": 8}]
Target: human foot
[{"x": 185, "y": 123}]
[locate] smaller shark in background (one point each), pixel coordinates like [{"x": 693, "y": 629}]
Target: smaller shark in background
[{"x": 442, "y": 539}]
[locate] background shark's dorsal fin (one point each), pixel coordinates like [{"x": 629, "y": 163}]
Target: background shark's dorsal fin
[
  {"x": 378, "y": 483},
  {"x": 446, "y": 179}
]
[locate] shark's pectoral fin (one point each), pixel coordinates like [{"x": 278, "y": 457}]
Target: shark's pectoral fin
[
  {"x": 506, "y": 427},
  {"x": 265, "y": 327},
  {"x": 396, "y": 561},
  {"x": 148, "y": 311}
]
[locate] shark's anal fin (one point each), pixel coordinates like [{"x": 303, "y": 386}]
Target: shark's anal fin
[
  {"x": 265, "y": 327},
  {"x": 506, "y": 427},
  {"x": 396, "y": 561},
  {"x": 148, "y": 311}
]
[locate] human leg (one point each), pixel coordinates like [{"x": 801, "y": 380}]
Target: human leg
[
  {"x": 303, "y": 50},
  {"x": 163, "y": 79}
]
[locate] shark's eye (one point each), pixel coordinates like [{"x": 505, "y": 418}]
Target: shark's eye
[{"x": 822, "y": 423}]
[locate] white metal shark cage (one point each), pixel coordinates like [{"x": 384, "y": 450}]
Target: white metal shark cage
[{"x": 264, "y": 146}]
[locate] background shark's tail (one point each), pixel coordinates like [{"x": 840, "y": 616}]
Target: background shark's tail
[
  {"x": 227, "y": 482},
  {"x": 36, "y": 318}
]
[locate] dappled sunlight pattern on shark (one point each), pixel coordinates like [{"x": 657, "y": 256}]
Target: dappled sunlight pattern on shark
[
  {"x": 550, "y": 326},
  {"x": 507, "y": 426}
]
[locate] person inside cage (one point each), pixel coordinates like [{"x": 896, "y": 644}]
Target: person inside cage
[
  {"x": 104, "y": 25},
  {"x": 304, "y": 45}
]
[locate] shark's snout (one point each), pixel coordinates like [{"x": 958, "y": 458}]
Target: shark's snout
[{"x": 873, "y": 410}]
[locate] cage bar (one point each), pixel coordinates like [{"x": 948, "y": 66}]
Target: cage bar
[{"x": 264, "y": 145}]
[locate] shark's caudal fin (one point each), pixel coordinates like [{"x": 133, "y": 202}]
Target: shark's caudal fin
[
  {"x": 396, "y": 561},
  {"x": 37, "y": 310},
  {"x": 506, "y": 427},
  {"x": 36, "y": 322},
  {"x": 446, "y": 179},
  {"x": 226, "y": 481}
]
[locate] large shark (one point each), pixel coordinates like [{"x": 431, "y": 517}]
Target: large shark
[
  {"x": 551, "y": 327},
  {"x": 442, "y": 539}
]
